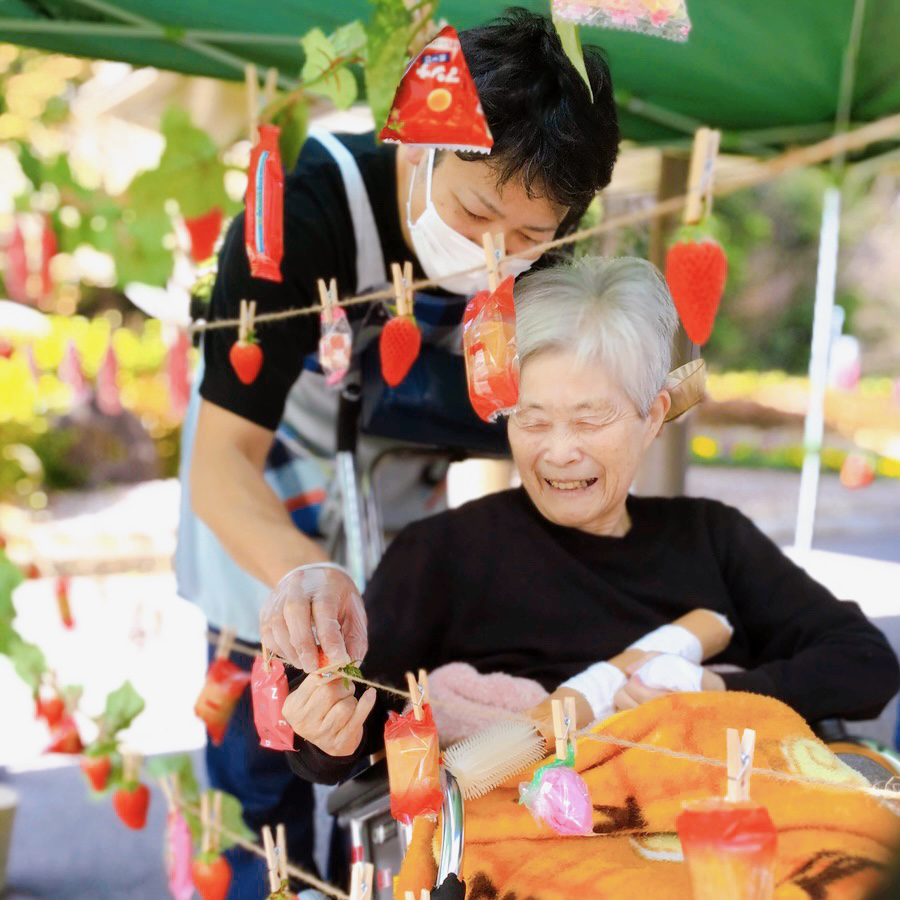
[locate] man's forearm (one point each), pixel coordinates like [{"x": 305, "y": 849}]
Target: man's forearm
[{"x": 234, "y": 500}]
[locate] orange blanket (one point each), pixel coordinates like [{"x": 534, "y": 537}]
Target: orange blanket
[{"x": 831, "y": 844}]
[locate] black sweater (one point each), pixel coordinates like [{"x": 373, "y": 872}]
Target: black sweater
[{"x": 496, "y": 585}]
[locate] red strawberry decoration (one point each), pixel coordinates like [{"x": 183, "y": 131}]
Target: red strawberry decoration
[
  {"x": 64, "y": 737},
  {"x": 62, "y": 601},
  {"x": 246, "y": 355},
  {"x": 32, "y": 571},
  {"x": 50, "y": 709},
  {"x": 400, "y": 339},
  {"x": 212, "y": 877},
  {"x": 696, "y": 272},
  {"x": 203, "y": 231},
  {"x": 97, "y": 769},
  {"x": 857, "y": 471},
  {"x": 131, "y": 804}
]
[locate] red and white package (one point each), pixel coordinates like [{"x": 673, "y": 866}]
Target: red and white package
[
  {"x": 490, "y": 350},
  {"x": 264, "y": 202},
  {"x": 269, "y": 690},
  {"x": 436, "y": 104},
  {"x": 413, "y": 760},
  {"x": 225, "y": 683}
]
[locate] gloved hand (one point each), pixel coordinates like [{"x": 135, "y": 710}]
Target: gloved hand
[{"x": 315, "y": 604}]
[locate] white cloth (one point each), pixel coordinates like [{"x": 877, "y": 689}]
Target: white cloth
[{"x": 671, "y": 673}]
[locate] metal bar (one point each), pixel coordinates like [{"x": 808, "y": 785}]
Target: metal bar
[
  {"x": 453, "y": 831},
  {"x": 814, "y": 426}
]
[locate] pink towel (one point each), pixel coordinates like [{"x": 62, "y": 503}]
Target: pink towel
[{"x": 463, "y": 699}]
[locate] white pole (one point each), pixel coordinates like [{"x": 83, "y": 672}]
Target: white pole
[{"x": 826, "y": 278}]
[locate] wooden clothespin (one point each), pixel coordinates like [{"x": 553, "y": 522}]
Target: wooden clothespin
[
  {"x": 740, "y": 762},
  {"x": 700, "y": 175},
  {"x": 563, "y": 725},
  {"x": 403, "y": 292},
  {"x": 247, "y": 315},
  {"x": 276, "y": 858},
  {"x": 270, "y": 86},
  {"x": 205, "y": 838},
  {"x": 225, "y": 642},
  {"x": 418, "y": 692},
  {"x": 131, "y": 766},
  {"x": 362, "y": 878},
  {"x": 216, "y": 824},
  {"x": 328, "y": 297},
  {"x": 494, "y": 251},
  {"x": 424, "y": 894},
  {"x": 251, "y": 80}
]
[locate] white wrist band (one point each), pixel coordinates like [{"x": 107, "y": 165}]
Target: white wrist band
[
  {"x": 671, "y": 673},
  {"x": 598, "y": 684}
]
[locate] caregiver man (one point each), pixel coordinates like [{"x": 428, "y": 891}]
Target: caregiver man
[{"x": 255, "y": 462}]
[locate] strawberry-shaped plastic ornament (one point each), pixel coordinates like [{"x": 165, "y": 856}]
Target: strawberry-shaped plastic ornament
[
  {"x": 696, "y": 273},
  {"x": 204, "y": 231},
  {"x": 400, "y": 339},
  {"x": 246, "y": 355}
]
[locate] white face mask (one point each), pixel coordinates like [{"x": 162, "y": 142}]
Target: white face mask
[{"x": 443, "y": 251}]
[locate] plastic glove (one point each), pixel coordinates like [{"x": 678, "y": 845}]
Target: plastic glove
[{"x": 315, "y": 605}]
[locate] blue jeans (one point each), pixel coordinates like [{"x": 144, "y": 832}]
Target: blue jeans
[{"x": 268, "y": 790}]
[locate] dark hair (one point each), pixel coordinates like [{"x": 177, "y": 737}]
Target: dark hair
[{"x": 548, "y": 134}]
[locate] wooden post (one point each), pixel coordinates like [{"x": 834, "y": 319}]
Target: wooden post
[{"x": 662, "y": 472}]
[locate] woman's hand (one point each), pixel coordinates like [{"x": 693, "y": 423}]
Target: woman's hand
[
  {"x": 325, "y": 713},
  {"x": 636, "y": 692},
  {"x": 315, "y": 604}
]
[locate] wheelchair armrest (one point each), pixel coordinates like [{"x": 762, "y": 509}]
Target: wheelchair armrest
[{"x": 365, "y": 787}]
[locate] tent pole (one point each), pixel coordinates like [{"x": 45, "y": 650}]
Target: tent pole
[
  {"x": 231, "y": 60},
  {"x": 814, "y": 428},
  {"x": 662, "y": 472}
]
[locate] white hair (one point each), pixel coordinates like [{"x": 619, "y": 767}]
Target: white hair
[{"x": 614, "y": 310}]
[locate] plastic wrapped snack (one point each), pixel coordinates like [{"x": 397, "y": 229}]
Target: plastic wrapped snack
[
  {"x": 335, "y": 345},
  {"x": 225, "y": 683},
  {"x": 663, "y": 18},
  {"x": 268, "y": 691},
  {"x": 489, "y": 347},
  {"x": 436, "y": 104},
  {"x": 413, "y": 761},
  {"x": 264, "y": 213},
  {"x": 558, "y": 797},
  {"x": 729, "y": 849}
]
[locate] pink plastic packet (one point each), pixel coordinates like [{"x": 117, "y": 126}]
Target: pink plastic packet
[
  {"x": 179, "y": 852},
  {"x": 558, "y": 797},
  {"x": 268, "y": 691},
  {"x": 490, "y": 350},
  {"x": 335, "y": 345}
]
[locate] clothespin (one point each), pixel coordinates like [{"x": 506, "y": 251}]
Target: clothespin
[
  {"x": 131, "y": 766},
  {"x": 216, "y": 830},
  {"x": 251, "y": 79},
  {"x": 494, "y": 251},
  {"x": 205, "y": 841},
  {"x": 248, "y": 313},
  {"x": 225, "y": 642},
  {"x": 563, "y": 724},
  {"x": 328, "y": 297},
  {"x": 403, "y": 288},
  {"x": 423, "y": 895},
  {"x": 276, "y": 857},
  {"x": 700, "y": 175},
  {"x": 270, "y": 86},
  {"x": 740, "y": 761},
  {"x": 362, "y": 878},
  {"x": 418, "y": 692}
]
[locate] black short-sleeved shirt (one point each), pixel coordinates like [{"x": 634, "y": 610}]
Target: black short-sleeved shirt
[{"x": 318, "y": 243}]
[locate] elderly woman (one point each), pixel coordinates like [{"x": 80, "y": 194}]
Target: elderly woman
[{"x": 545, "y": 580}]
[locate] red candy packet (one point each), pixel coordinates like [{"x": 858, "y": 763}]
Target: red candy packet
[
  {"x": 413, "y": 760},
  {"x": 264, "y": 213},
  {"x": 489, "y": 347},
  {"x": 436, "y": 104},
  {"x": 225, "y": 683},
  {"x": 268, "y": 691}
]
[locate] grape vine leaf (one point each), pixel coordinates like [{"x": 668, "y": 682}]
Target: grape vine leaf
[
  {"x": 387, "y": 31},
  {"x": 324, "y": 73}
]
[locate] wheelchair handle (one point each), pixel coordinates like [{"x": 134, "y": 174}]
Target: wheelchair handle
[{"x": 453, "y": 831}]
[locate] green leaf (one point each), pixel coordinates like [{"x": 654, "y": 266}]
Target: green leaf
[
  {"x": 387, "y": 32},
  {"x": 350, "y": 41},
  {"x": 571, "y": 42},
  {"x": 10, "y": 578},
  {"x": 292, "y": 121},
  {"x": 189, "y": 171},
  {"x": 181, "y": 765},
  {"x": 122, "y": 707},
  {"x": 233, "y": 820},
  {"x": 28, "y": 661},
  {"x": 324, "y": 73}
]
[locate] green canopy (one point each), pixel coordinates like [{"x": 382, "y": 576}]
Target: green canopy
[{"x": 766, "y": 72}]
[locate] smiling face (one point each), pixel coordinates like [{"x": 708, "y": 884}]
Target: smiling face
[
  {"x": 577, "y": 441},
  {"x": 467, "y": 198}
]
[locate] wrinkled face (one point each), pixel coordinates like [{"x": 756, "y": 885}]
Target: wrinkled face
[
  {"x": 577, "y": 440},
  {"x": 467, "y": 198}
]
